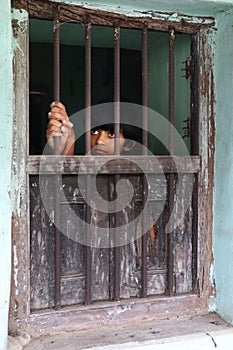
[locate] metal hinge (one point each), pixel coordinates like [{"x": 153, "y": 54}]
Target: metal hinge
[
  {"x": 186, "y": 128},
  {"x": 188, "y": 68}
]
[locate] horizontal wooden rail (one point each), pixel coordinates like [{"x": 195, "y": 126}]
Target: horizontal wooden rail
[{"x": 112, "y": 164}]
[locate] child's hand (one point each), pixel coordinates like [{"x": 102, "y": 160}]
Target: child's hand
[{"x": 60, "y": 125}]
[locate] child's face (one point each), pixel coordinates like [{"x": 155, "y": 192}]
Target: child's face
[{"x": 103, "y": 142}]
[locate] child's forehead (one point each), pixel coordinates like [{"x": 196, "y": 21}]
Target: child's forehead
[{"x": 105, "y": 127}]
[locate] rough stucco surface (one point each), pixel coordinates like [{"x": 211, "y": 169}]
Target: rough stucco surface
[
  {"x": 223, "y": 203},
  {"x": 5, "y": 156}
]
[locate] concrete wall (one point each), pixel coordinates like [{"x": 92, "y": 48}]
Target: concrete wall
[{"x": 6, "y": 107}]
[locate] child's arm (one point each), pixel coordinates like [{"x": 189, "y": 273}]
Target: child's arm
[{"x": 60, "y": 125}]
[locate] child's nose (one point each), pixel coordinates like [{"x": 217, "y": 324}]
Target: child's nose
[{"x": 102, "y": 138}]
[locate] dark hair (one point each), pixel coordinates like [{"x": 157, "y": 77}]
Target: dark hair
[
  {"x": 103, "y": 117},
  {"x": 130, "y": 132}
]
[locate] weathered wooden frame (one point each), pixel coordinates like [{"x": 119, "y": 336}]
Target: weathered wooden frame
[{"x": 160, "y": 307}]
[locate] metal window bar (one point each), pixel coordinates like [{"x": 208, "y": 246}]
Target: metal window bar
[
  {"x": 170, "y": 243},
  {"x": 88, "y": 255},
  {"x": 57, "y": 268},
  {"x": 171, "y": 178},
  {"x": 194, "y": 86},
  {"x": 144, "y": 151},
  {"x": 117, "y": 152},
  {"x": 57, "y": 180}
]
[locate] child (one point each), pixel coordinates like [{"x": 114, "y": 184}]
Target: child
[
  {"x": 102, "y": 143},
  {"x": 102, "y": 137}
]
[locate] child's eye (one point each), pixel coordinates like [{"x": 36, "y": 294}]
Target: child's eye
[
  {"x": 111, "y": 134},
  {"x": 95, "y": 132}
]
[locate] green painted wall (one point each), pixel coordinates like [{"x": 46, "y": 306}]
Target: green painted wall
[
  {"x": 223, "y": 179},
  {"x": 189, "y": 7},
  {"x": 158, "y": 83}
]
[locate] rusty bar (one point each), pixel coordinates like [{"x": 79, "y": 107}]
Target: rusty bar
[
  {"x": 145, "y": 89},
  {"x": 194, "y": 233},
  {"x": 88, "y": 88},
  {"x": 144, "y": 152},
  {"x": 194, "y": 103},
  {"x": 56, "y": 77},
  {"x": 117, "y": 88},
  {"x": 117, "y": 250},
  {"x": 171, "y": 178},
  {"x": 194, "y": 94},
  {"x": 117, "y": 152},
  {"x": 57, "y": 179},
  {"x": 171, "y": 90},
  {"x": 88, "y": 255},
  {"x": 56, "y": 58}
]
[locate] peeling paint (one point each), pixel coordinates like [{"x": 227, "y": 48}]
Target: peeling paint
[
  {"x": 6, "y": 111},
  {"x": 212, "y": 297},
  {"x": 73, "y": 12},
  {"x": 193, "y": 8},
  {"x": 15, "y": 270}
]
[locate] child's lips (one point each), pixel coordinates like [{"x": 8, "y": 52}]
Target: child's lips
[{"x": 99, "y": 151}]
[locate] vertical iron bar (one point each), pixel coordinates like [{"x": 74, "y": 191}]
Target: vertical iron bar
[
  {"x": 144, "y": 151},
  {"x": 194, "y": 94},
  {"x": 56, "y": 77},
  {"x": 88, "y": 88},
  {"x": 117, "y": 152},
  {"x": 117, "y": 88},
  {"x": 88, "y": 256},
  {"x": 194, "y": 97},
  {"x": 57, "y": 180},
  {"x": 171, "y": 90},
  {"x": 170, "y": 238},
  {"x": 56, "y": 57}
]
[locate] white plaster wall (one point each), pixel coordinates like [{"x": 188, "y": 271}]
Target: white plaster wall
[{"x": 6, "y": 117}]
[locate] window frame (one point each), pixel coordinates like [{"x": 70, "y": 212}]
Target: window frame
[{"x": 23, "y": 165}]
